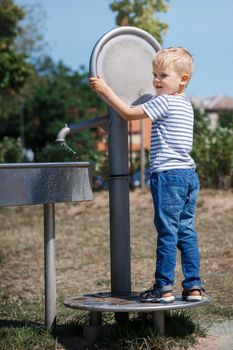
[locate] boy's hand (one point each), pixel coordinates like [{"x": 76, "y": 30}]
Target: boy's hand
[{"x": 98, "y": 84}]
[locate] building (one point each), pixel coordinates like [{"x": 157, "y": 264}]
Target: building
[
  {"x": 213, "y": 106},
  {"x": 134, "y": 129}
]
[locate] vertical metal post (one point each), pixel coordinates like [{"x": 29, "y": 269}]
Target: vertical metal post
[
  {"x": 50, "y": 265},
  {"x": 119, "y": 205},
  {"x": 131, "y": 155},
  {"x": 142, "y": 155},
  {"x": 159, "y": 321}
]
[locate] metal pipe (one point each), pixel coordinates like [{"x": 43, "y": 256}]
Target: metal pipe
[
  {"x": 73, "y": 129},
  {"x": 50, "y": 265},
  {"x": 119, "y": 205}
]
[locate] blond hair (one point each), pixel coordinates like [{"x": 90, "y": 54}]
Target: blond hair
[{"x": 179, "y": 57}]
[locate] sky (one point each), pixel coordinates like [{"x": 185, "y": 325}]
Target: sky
[{"x": 71, "y": 28}]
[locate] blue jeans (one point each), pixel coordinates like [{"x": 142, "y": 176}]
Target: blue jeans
[{"x": 175, "y": 195}]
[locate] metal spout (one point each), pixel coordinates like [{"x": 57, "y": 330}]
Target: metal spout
[
  {"x": 73, "y": 129},
  {"x": 62, "y": 134}
]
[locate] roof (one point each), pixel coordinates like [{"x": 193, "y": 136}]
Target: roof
[{"x": 218, "y": 103}]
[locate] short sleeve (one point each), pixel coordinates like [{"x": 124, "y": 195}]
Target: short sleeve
[{"x": 156, "y": 108}]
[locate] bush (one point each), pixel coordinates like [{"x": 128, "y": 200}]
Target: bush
[
  {"x": 11, "y": 150},
  {"x": 213, "y": 153}
]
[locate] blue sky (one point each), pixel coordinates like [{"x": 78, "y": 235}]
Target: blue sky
[{"x": 72, "y": 27}]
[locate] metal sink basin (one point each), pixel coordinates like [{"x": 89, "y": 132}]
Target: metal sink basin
[
  {"x": 41, "y": 183},
  {"x": 47, "y": 184}
]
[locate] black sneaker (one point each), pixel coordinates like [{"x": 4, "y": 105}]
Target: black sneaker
[
  {"x": 156, "y": 295},
  {"x": 187, "y": 294}
]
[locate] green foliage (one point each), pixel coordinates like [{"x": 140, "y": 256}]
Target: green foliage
[
  {"x": 213, "y": 152},
  {"x": 26, "y": 337},
  {"x": 14, "y": 70},
  {"x": 60, "y": 96},
  {"x": 226, "y": 119},
  {"x": 10, "y": 14},
  {"x": 221, "y": 155},
  {"x": 141, "y": 14},
  {"x": 54, "y": 96},
  {"x": 11, "y": 150}
]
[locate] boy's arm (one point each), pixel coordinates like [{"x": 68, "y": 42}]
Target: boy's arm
[{"x": 98, "y": 85}]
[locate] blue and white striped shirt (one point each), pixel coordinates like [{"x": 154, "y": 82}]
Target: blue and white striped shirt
[{"x": 171, "y": 132}]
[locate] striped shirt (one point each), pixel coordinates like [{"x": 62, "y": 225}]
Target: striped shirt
[{"x": 171, "y": 132}]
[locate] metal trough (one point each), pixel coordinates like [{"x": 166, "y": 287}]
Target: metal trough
[{"x": 47, "y": 184}]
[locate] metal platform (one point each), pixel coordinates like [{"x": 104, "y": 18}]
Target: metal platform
[
  {"x": 121, "y": 306},
  {"x": 105, "y": 302}
]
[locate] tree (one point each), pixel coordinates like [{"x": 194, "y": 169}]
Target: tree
[
  {"x": 141, "y": 14},
  {"x": 14, "y": 70},
  {"x": 53, "y": 96},
  {"x": 225, "y": 119},
  {"x": 30, "y": 41}
]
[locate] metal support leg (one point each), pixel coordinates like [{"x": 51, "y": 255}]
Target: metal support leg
[
  {"x": 159, "y": 321},
  {"x": 95, "y": 318},
  {"x": 122, "y": 318},
  {"x": 94, "y": 330},
  {"x": 50, "y": 265}
]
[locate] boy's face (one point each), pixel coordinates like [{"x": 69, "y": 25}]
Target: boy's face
[{"x": 167, "y": 80}]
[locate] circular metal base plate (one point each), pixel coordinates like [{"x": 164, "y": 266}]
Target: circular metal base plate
[{"x": 127, "y": 303}]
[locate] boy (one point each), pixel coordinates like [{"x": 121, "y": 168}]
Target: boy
[{"x": 174, "y": 182}]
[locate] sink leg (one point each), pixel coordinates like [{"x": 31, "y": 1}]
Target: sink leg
[{"x": 50, "y": 265}]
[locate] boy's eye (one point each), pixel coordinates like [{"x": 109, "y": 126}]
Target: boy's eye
[{"x": 163, "y": 76}]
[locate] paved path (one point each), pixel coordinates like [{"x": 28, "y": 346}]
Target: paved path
[{"x": 220, "y": 337}]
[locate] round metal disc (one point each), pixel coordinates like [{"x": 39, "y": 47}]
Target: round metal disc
[
  {"x": 131, "y": 303},
  {"x": 123, "y": 58}
]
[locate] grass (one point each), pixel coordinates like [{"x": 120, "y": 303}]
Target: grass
[
  {"x": 20, "y": 336},
  {"x": 82, "y": 248},
  {"x": 181, "y": 332}
]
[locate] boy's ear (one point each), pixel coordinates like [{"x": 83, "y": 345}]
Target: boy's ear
[{"x": 184, "y": 79}]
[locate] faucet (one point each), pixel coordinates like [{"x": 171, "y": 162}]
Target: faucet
[
  {"x": 62, "y": 134},
  {"x": 73, "y": 129}
]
